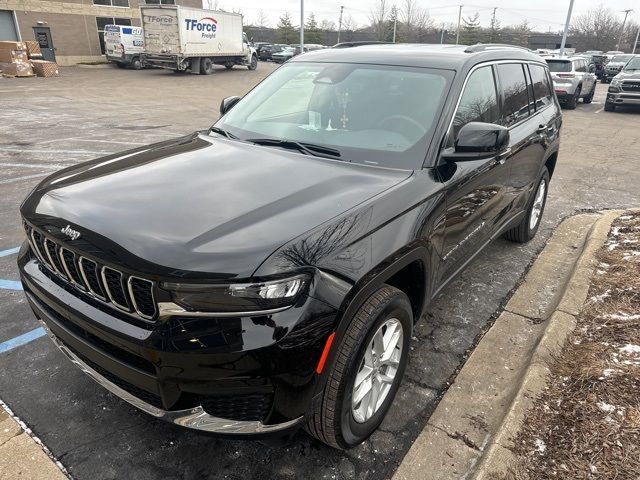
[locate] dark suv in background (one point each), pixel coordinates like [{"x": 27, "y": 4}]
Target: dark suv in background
[
  {"x": 268, "y": 50},
  {"x": 266, "y": 274}
]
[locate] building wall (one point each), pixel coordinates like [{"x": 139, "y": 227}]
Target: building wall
[{"x": 73, "y": 24}]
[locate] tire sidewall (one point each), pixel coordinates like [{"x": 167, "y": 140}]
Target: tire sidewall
[
  {"x": 352, "y": 432},
  {"x": 532, "y": 232}
]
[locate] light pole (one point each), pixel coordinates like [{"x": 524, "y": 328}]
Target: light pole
[
  {"x": 301, "y": 26},
  {"x": 635, "y": 44},
  {"x": 566, "y": 28},
  {"x": 442, "y": 36},
  {"x": 340, "y": 23},
  {"x": 458, "y": 30},
  {"x": 624, "y": 22}
]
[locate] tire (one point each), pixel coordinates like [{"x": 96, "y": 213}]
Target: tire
[
  {"x": 136, "y": 64},
  {"x": 609, "y": 107},
  {"x": 254, "y": 63},
  {"x": 525, "y": 231},
  {"x": 333, "y": 420},
  {"x": 206, "y": 66},
  {"x": 589, "y": 98},
  {"x": 571, "y": 104}
]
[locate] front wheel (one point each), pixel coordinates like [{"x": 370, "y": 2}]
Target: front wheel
[
  {"x": 136, "y": 64},
  {"x": 528, "y": 227},
  {"x": 367, "y": 371},
  {"x": 254, "y": 63}
]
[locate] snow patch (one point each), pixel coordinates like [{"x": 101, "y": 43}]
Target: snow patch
[
  {"x": 622, "y": 316},
  {"x": 540, "y": 446},
  {"x": 606, "y": 407},
  {"x": 630, "y": 348}
]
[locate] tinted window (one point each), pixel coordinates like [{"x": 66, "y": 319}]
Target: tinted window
[
  {"x": 514, "y": 90},
  {"x": 559, "y": 65},
  {"x": 541, "y": 88},
  {"x": 579, "y": 66},
  {"x": 479, "y": 102}
]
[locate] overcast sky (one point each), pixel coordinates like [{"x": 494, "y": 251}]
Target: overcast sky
[{"x": 541, "y": 14}]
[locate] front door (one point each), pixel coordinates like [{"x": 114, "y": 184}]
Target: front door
[
  {"x": 475, "y": 190},
  {"x": 43, "y": 37}
]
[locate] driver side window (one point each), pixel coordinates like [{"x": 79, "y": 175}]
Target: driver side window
[{"x": 479, "y": 101}]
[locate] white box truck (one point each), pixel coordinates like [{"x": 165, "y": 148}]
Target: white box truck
[
  {"x": 182, "y": 38},
  {"x": 123, "y": 45}
]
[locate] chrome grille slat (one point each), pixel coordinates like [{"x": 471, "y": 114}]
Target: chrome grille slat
[{"x": 128, "y": 293}]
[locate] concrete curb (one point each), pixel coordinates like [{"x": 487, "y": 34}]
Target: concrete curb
[
  {"x": 483, "y": 409},
  {"x": 23, "y": 455},
  {"x": 498, "y": 456}
]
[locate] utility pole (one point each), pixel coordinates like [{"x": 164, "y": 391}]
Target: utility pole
[
  {"x": 624, "y": 22},
  {"x": 340, "y": 23},
  {"x": 566, "y": 28},
  {"x": 301, "y": 26},
  {"x": 493, "y": 24},
  {"x": 458, "y": 30},
  {"x": 635, "y": 44},
  {"x": 442, "y": 32}
]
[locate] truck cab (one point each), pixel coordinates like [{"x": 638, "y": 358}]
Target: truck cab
[{"x": 123, "y": 45}]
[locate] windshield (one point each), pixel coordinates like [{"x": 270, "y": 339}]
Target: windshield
[
  {"x": 622, "y": 58},
  {"x": 370, "y": 114},
  {"x": 634, "y": 64},
  {"x": 559, "y": 65}
]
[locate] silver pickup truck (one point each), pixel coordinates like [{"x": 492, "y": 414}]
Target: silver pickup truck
[{"x": 625, "y": 87}]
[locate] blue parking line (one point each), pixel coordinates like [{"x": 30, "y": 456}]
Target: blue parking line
[
  {"x": 10, "y": 285},
  {"x": 9, "y": 251},
  {"x": 22, "y": 339}
]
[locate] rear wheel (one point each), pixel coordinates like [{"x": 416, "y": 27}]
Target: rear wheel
[
  {"x": 609, "y": 106},
  {"x": 367, "y": 372},
  {"x": 206, "y": 66},
  {"x": 528, "y": 227},
  {"x": 136, "y": 64},
  {"x": 573, "y": 102},
  {"x": 589, "y": 98}
]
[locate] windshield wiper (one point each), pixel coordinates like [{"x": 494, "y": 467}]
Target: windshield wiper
[
  {"x": 306, "y": 148},
  {"x": 223, "y": 132}
]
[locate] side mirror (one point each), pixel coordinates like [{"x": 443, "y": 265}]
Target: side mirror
[
  {"x": 228, "y": 103},
  {"x": 478, "y": 141}
]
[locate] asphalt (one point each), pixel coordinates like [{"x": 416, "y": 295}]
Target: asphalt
[{"x": 49, "y": 123}]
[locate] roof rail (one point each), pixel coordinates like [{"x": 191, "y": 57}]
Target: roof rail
[
  {"x": 360, "y": 43},
  {"x": 481, "y": 47}
]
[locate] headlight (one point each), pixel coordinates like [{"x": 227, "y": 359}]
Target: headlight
[
  {"x": 237, "y": 297},
  {"x": 616, "y": 82}
]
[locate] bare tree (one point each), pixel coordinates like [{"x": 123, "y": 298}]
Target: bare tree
[
  {"x": 597, "y": 29},
  {"x": 378, "y": 18},
  {"x": 348, "y": 27},
  {"x": 415, "y": 21},
  {"x": 328, "y": 26},
  {"x": 262, "y": 21}
]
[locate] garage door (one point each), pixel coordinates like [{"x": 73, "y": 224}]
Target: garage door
[{"x": 7, "y": 26}]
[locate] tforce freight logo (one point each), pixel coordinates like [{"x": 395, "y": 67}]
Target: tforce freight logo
[
  {"x": 162, "y": 19},
  {"x": 206, "y": 25}
]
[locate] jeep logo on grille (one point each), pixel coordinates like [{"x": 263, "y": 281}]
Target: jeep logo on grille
[{"x": 74, "y": 234}]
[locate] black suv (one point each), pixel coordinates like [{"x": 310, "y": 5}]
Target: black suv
[{"x": 266, "y": 274}]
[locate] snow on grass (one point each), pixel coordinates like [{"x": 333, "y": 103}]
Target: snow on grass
[
  {"x": 606, "y": 407},
  {"x": 622, "y": 316},
  {"x": 630, "y": 348},
  {"x": 540, "y": 446}
]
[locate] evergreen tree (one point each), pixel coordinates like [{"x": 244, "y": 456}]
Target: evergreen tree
[
  {"x": 312, "y": 33},
  {"x": 285, "y": 31},
  {"x": 471, "y": 31}
]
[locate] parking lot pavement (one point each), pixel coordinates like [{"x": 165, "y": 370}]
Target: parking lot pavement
[{"x": 53, "y": 122}]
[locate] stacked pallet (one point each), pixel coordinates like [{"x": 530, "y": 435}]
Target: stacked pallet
[{"x": 24, "y": 59}]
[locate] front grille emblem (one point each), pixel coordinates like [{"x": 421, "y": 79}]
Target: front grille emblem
[{"x": 70, "y": 232}]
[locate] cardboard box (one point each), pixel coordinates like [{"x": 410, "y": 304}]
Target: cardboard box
[
  {"x": 16, "y": 69},
  {"x": 33, "y": 48},
  {"x": 13, "y": 52},
  {"x": 43, "y": 68}
]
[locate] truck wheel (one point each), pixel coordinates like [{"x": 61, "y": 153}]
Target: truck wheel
[
  {"x": 609, "y": 106},
  {"x": 528, "y": 227},
  {"x": 367, "y": 371},
  {"x": 206, "y": 66},
  {"x": 136, "y": 64},
  {"x": 254, "y": 63}
]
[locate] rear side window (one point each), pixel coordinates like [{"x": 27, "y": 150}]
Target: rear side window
[
  {"x": 514, "y": 89},
  {"x": 559, "y": 66},
  {"x": 479, "y": 102},
  {"x": 541, "y": 87},
  {"x": 580, "y": 66}
]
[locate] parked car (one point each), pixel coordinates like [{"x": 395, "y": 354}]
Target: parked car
[
  {"x": 268, "y": 50},
  {"x": 285, "y": 54},
  {"x": 614, "y": 66},
  {"x": 123, "y": 45},
  {"x": 572, "y": 80},
  {"x": 267, "y": 273},
  {"x": 625, "y": 87}
]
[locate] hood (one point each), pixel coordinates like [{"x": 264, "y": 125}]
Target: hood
[
  {"x": 202, "y": 205},
  {"x": 628, "y": 75}
]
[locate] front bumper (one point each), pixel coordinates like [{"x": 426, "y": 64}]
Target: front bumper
[
  {"x": 236, "y": 376},
  {"x": 617, "y": 96}
]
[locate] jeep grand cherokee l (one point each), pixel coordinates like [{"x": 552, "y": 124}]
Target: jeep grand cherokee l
[{"x": 267, "y": 274}]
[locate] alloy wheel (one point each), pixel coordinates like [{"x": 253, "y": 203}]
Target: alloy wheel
[
  {"x": 377, "y": 371},
  {"x": 538, "y": 203}
]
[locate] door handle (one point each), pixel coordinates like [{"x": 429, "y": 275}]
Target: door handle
[{"x": 542, "y": 129}]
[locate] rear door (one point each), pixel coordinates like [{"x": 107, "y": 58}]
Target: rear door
[
  {"x": 161, "y": 30},
  {"x": 475, "y": 190}
]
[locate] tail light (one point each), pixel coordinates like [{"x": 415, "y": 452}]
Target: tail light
[{"x": 566, "y": 75}]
